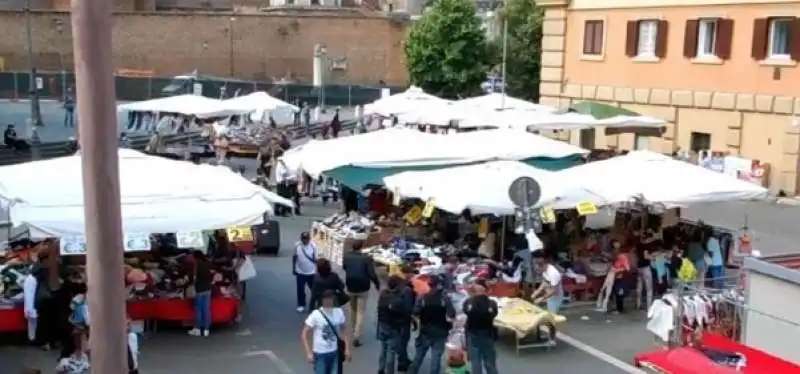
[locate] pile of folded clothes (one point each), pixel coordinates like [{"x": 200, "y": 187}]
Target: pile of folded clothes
[
  {"x": 12, "y": 277},
  {"x": 351, "y": 225}
]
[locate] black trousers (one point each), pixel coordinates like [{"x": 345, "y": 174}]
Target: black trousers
[{"x": 47, "y": 325}]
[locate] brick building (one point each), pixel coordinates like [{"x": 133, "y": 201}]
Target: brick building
[{"x": 367, "y": 48}]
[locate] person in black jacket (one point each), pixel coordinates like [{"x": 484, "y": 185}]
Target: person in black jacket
[
  {"x": 403, "y": 361},
  {"x": 394, "y": 307},
  {"x": 435, "y": 312},
  {"x": 202, "y": 279},
  {"x": 481, "y": 312},
  {"x": 324, "y": 280},
  {"x": 359, "y": 274}
]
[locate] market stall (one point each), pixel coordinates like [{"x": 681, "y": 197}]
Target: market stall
[
  {"x": 189, "y": 105},
  {"x": 366, "y": 159},
  {"x": 158, "y": 197},
  {"x": 406, "y": 101}
]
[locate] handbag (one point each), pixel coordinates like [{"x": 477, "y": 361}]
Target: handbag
[
  {"x": 340, "y": 345},
  {"x": 246, "y": 270}
]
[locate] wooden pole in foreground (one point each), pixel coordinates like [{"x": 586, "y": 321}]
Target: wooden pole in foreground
[{"x": 97, "y": 120}]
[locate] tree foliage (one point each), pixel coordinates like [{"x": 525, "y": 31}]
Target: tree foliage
[
  {"x": 446, "y": 51},
  {"x": 523, "y": 64}
]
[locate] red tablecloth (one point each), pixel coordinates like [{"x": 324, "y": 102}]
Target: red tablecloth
[
  {"x": 680, "y": 361},
  {"x": 223, "y": 310},
  {"x": 13, "y": 320}
]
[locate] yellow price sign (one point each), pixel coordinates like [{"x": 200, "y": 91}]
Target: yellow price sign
[
  {"x": 586, "y": 208},
  {"x": 414, "y": 214},
  {"x": 427, "y": 211},
  {"x": 239, "y": 234},
  {"x": 548, "y": 214}
]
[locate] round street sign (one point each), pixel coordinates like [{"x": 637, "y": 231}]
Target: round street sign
[{"x": 524, "y": 192}]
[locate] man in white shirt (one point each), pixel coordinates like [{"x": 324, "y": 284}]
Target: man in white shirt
[
  {"x": 551, "y": 290},
  {"x": 304, "y": 266}
]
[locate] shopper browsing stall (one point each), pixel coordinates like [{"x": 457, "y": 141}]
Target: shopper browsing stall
[
  {"x": 551, "y": 290},
  {"x": 329, "y": 344},
  {"x": 202, "y": 278},
  {"x": 304, "y": 266},
  {"x": 481, "y": 333}
]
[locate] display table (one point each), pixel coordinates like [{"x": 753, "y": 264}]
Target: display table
[
  {"x": 525, "y": 320},
  {"x": 13, "y": 320},
  {"x": 333, "y": 244}
]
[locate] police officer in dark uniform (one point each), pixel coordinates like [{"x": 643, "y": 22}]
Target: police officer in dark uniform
[
  {"x": 394, "y": 309},
  {"x": 435, "y": 312},
  {"x": 403, "y": 361}
]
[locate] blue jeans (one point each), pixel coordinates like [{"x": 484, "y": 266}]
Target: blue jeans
[
  {"x": 717, "y": 274},
  {"x": 202, "y": 310},
  {"x": 403, "y": 362},
  {"x": 391, "y": 341},
  {"x": 424, "y": 343},
  {"x": 482, "y": 353},
  {"x": 303, "y": 281},
  {"x": 326, "y": 363},
  {"x": 554, "y": 304},
  {"x": 69, "y": 118}
]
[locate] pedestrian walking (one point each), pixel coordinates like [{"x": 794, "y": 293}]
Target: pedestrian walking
[
  {"x": 394, "y": 307},
  {"x": 435, "y": 312},
  {"x": 329, "y": 346},
  {"x": 304, "y": 266},
  {"x": 359, "y": 276}
]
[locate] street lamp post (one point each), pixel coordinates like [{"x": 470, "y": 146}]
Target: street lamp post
[
  {"x": 36, "y": 114},
  {"x": 321, "y": 66},
  {"x": 505, "y": 57},
  {"x": 231, "y": 63}
]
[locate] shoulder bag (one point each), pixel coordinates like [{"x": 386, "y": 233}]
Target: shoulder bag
[{"x": 340, "y": 344}]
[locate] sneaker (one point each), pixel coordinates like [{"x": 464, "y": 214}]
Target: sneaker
[
  {"x": 206, "y": 332},
  {"x": 356, "y": 343},
  {"x": 195, "y": 332},
  {"x": 300, "y": 309}
]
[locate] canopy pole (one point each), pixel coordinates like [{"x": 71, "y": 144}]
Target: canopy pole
[{"x": 91, "y": 27}]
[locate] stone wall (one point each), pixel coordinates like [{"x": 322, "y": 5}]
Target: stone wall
[{"x": 247, "y": 46}]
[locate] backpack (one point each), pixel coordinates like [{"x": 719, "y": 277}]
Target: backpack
[{"x": 391, "y": 306}]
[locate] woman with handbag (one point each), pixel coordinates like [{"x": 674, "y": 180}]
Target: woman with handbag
[{"x": 329, "y": 346}]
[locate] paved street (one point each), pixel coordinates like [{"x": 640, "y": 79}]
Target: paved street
[
  {"x": 267, "y": 341},
  {"x": 18, "y": 113}
]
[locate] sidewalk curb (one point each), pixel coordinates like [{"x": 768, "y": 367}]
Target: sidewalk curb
[{"x": 28, "y": 101}]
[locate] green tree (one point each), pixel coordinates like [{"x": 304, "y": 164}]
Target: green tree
[
  {"x": 523, "y": 59},
  {"x": 446, "y": 52}
]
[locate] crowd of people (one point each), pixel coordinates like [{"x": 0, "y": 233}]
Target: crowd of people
[{"x": 462, "y": 335}]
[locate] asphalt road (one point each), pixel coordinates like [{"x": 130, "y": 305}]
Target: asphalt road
[{"x": 267, "y": 340}]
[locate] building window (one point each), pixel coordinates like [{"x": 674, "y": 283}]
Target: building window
[
  {"x": 700, "y": 141},
  {"x": 778, "y": 43},
  {"x": 707, "y": 38},
  {"x": 593, "y": 38},
  {"x": 646, "y": 39}
]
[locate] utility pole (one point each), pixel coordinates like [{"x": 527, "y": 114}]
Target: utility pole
[
  {"x": 505, "y": 57},
  {"x": 36, "y": 113},
  {"x": 91, "y": 25}
]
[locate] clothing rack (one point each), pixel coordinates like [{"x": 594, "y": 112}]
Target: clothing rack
[{"x": 726, "y": 304}]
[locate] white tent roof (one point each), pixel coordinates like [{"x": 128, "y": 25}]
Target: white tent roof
[
  {"x": 406, "y": 101},
  {"x": 199, "y": 106},
  {"x": 404, "y": 147},
  {"x": 496, "y": 100},
  {"x": 157, "y": 195},
  {"x": 257, "y": 101},
  {"x": 659, "y": 179},
  {"x": 483, "y": 188},
  {"x": 576, "y": 121}
]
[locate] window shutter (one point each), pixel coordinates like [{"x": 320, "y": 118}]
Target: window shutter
[
  {"x": 760, "y": 36},
  {"x": 794, "y": 39},
  {"x": 588, "y": 37},
  {"x": 662, "y": 35},
  {"x": 690, "y": 39},
  {"x": 724, "y": 38},
  {"x": 631, "y": 38}
]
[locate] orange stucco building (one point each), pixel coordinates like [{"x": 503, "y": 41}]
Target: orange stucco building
[{"x": 723, "y": 73}]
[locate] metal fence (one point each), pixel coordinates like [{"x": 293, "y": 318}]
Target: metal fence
[{"x": 16, "y": 86}]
